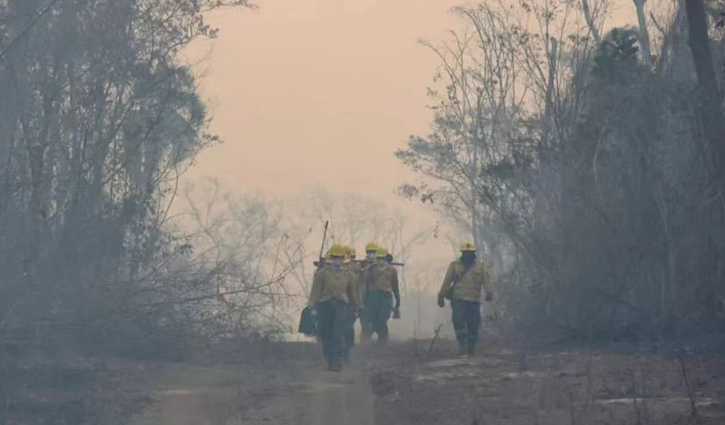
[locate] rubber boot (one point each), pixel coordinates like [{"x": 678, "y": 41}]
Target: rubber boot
[
  {"x": 471, "y": 349},
  {"x": 462, "y": 349},
  {"x": 328, "y": 355},
  {"x": 336, "y": 364},
  {"x": 383, "y": 333},
  {"x": 366, "y": 333},
  {"x": 346, "y": 356}
]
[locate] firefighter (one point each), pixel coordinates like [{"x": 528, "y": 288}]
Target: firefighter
[
  {"x": 462, "y": 286},
  {"x": 323, "y": 262},
  {"x": 370, "y": 250},
  {"x": 366, "y": 275},
  {"x": 333, "y": 298},
  {"x": 355, "y": 268},
  {"x": 382, "y": 288}
]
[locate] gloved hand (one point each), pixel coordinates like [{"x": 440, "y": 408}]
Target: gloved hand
[
  {"x": 441, "y": 302},
  {"x": 313, "y": 312},
  {"x": 396, "y": 313},
  {"x": 489, "y": 296}
]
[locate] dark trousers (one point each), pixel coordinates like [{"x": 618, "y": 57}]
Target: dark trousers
[
  {"x": 366, "y": 327},
  {"x": 378, "y": 306},
  {"x": 332, "y": 323},
  {"x": 349, "y": 334},
  {"x": 466, "y": 322}
]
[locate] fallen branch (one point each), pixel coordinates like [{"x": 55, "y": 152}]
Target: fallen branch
[
  {"x": 688, "y": 386},
  {"x": 435, "y": 338},
  {"x": 635, "y": 393}
]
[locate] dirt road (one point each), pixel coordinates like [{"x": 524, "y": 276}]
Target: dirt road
[
  {"x": 307, "y": 395},
  {"x": 406, "y": 383}
]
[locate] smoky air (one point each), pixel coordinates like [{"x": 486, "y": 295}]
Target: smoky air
[{"x": 362, "y": 212}]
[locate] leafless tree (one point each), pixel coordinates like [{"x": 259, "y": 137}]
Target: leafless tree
[{"x": 238, "y": 241}]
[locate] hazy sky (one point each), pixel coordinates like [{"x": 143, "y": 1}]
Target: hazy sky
[
  {"x": 321, "y": 93},
  {"x": 318, "y": 92}
]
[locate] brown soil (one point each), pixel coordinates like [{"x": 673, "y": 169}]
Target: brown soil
[
  {"x": 556, "y": 387},
  {"x": 299, "y": 392},
  {"x": 403, "y": 383}
]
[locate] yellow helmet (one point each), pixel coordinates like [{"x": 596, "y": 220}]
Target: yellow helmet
[
  {"x": 351, "y": 252},
  {"x": 381, "y": 252},
  {"x": 371, "y": 246},
  {"x": 468, "y": 247},
  {"x": 337, "y": 250}
]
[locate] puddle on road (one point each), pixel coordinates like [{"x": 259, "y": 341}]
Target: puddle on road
[
  {"x": 316, "y": 386},
  {"x": 463, "y": 373},
  {"x": 464, "y": 361},
  {"x": 701, "y": 402},
  {"x": 524, "y": 374},
  {"x": 451, "y": 369},
  {"x": 193, "y": 391}
]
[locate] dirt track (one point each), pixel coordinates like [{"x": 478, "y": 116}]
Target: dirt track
[
  {"x": 405, "y": 383},
  {"x": 194, "y": 395}
]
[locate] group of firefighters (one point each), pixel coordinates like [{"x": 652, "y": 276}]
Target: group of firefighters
[{"x": 345, "y": 289}]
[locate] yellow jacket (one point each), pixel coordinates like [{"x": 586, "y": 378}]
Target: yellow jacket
[
  {"x": 384, "y": 277},
  {"x": 469, "y": 283},
  {"x": 356, "y": 269},
  {"x": 332, "y": 283}
]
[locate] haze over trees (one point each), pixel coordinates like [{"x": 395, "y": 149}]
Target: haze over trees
[
  {"x": 586, "y": 163},
  {"x": 98, "y": 119}
]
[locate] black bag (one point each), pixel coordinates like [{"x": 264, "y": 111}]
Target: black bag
[{"x": 308, "y": 323}]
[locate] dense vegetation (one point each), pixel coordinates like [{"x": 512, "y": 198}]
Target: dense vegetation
[{"x": 589, "y": 167}]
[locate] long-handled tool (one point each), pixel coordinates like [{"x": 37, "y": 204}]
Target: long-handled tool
[
  {"x": 321, "y": 260},
  {"x": 367, "y": 264}
]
